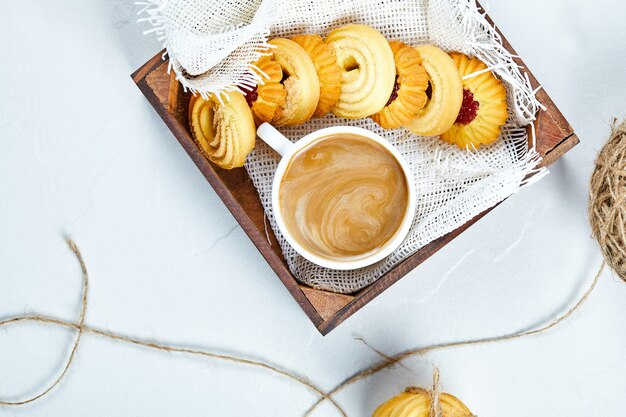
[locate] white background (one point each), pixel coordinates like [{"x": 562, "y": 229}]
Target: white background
[{"x": 82, "y": 153}]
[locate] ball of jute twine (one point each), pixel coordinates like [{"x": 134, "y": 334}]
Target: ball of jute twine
[{"x": 607, "y": 202}]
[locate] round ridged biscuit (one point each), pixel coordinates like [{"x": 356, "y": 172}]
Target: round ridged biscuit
[
  {"x": 442, "y": 109},
  {"x": 368, "y": 71},
  {"x": 492, "y": 112},
  {"x": 411, "y": 85},
  {"x": 411, "y": 403},
  {"x": 417, "y": 405},
  {"x": 301, "y": 83},
  {"x": 416, "y": 402},
  {"x": 328, "y": 72},
  {"x": 223, "y": 130},
  {"x": 453, "y": 407},
  {"x": 386, "y": 408},
  {"x": 196, "y": 107},
  {"x": 226, "y": 136},
  {"x": 237, "y": 120},
  {"x": 270, "y": 92}
]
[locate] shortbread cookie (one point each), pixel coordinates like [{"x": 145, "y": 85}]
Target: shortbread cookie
[
  {"x": 446, "y": 93},
  {"x": 328, "y": 71},
  {"x": 484, "y": 110},
  {"x": 224, "y": 131},
  {"x": 368, "y": 71},
  {"x": 409, "y": 92}
]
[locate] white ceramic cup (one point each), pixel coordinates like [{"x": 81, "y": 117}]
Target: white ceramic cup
[{"x": 287, "y": 150}]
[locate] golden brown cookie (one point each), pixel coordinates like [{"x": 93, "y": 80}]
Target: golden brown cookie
[
  {"x": 300, "y": 81},
  {"x": 224, "y": 131},
  {"x": 446, "y": 93},
  {"x": 416, "y": 402},
  {"x": 484, "y": 109},
  {"x": 368, "y": 71},
  {"x": 409, "y": 92},
  {"x": 328, "y": 72},
  {"x": 269, "y": 95}
]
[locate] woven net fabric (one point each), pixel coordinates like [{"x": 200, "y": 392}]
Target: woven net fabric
[
  {"x": 453, "y": 185},
  {"x": 211, "y": 43}
]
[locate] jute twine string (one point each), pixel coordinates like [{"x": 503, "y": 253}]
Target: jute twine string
[
  {"x": 83, "y": 328},
  {"x": 607, "y": 202},
  {"x": 80, "y": 326},
  {"x": 389, "y": 361},
  {"x": 435, "y": 410},
  {"x": 392, "y": 360}
]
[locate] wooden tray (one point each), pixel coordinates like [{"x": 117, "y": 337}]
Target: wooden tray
[{"x": 325, "y": 309}]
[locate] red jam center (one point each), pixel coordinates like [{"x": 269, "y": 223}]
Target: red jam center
[
  {"x": 251, "y": 96},
  {"x": 394, "y": 92},
  {"x": 429, "y": 91},
  {"x": 469, "y": 108}
]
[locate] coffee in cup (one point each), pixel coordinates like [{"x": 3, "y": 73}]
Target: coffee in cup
[{"x": 343, "y": 197}]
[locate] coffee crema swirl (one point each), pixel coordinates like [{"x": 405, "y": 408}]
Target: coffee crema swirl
[{"x": 343, "y": 196}]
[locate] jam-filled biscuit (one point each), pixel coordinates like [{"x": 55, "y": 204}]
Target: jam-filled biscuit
[
  {"x": 409, "y": 92},
  {"x": 484, "y": 110},
  {"x": 266, "y": 98},
  {"x": 300, "y": 80},
  {"x": 328, "y": 72},
  {"x": 446, "y": 93}
]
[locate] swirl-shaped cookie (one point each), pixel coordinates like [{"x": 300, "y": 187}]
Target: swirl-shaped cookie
[
  {"x": 328, "y": 71},
  {"x": 409, "y": 92},
  {"x": 367, "y": 70},
  {"x": 446, "y": 96},
  {"x": 224, "y": 131}
]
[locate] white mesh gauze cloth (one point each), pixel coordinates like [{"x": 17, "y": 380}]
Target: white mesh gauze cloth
[
  {"x": 453, "y": 185},
  {"x": 211, "y": 42}
]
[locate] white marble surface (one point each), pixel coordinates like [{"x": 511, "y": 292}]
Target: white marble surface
[{"x": 82, "y": 153}]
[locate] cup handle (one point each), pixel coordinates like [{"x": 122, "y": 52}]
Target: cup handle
[{"x": 274, "y": 139}]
